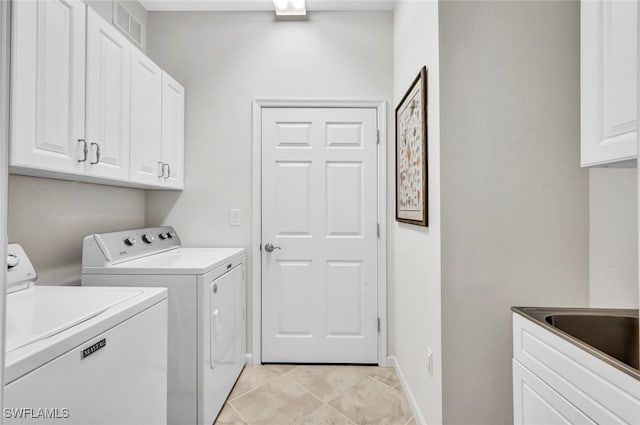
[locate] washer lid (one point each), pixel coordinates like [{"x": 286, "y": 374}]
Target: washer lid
[
  {"x": 180, "y": 261},
  {"x": 38, "y": 313}
]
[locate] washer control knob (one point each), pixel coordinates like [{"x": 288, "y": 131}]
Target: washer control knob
[
  {"x": 130, "y": 241},
  {"x": 12, "y": 260},
  {"x": 163, "y": 236},
  {"x": 148, "y": 238},
  {"x": 171, "y": 234}
]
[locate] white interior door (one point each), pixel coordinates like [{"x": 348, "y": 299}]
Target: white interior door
[{"x": 319, "y": 209}]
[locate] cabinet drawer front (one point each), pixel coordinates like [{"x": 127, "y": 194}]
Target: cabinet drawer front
[
  {"x": 534, "y": 402},
  {"x": 605, "y": 394}
]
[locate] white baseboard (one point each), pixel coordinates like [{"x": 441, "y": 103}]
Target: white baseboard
[
  {"x": 250, "y": 360},
  {"x": 392, "y": 361}
]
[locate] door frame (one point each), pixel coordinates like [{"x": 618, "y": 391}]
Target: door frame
[
  {"x": 255, "y": 356},
  {"x": 5, "y": 122}
]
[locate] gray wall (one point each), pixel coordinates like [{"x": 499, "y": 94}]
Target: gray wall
[
  {"x": 226, "y": 59},
  {"x": 49, "y": 218},
  {"x": 415, "y": 252},
  {"x": 515, "y": 204},
  {"x": 613, "y": 238}
]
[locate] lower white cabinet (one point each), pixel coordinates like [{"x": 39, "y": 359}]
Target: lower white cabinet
[
  {"x": 556, "y": 382},
  {"x": 534, "y": 402}
]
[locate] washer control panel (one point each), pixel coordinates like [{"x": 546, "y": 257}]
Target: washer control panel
[
  {"x": 112, "y": 248},
  {"x": 20, "y": 271}
]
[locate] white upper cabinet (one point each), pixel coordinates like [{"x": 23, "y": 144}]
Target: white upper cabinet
[
  {"x": 108, "y": 91},
  {"x": 172, "y": 132},
  {"x": 609, "y": 78},
  {"x": 47, "y": 89},
  {"x": 88, "y": 105},
  {"x": 146, "y": 120}
]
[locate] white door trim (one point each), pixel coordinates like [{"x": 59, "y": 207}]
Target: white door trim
[
  {"x": 255, "y": 357},
  {"x": 5, "y": 122}
]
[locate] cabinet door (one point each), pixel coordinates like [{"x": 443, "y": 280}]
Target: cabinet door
[
  {"x": 609, "y": 69},
  {"x": 535, "y": 403},
  {"x": 47, "y": 90},
  {"x": 107, "y": 112},
  {"x": 146, "y": 120},
  {"x": 173, "y": 131}
]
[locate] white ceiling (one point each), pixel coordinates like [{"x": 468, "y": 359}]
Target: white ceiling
[{"x": 253, "y": 5}]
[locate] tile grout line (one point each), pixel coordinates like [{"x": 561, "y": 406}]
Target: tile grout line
[
  {"x": 341, "y": 414},
  {"x": 365, "y": 374},
  {"x": 410, "y": 419},
  {"x": 339, "y": 394},
  {"x": 240, "y": 414},
  {"x": 258, "y": 387},
  {"x": 389, "y": 386},
  {"x": 322, "y": 402}
]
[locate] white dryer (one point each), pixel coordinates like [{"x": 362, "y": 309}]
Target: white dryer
[
  {"x": 83, "y": 356},
  {"x": 207, "y": 324}
]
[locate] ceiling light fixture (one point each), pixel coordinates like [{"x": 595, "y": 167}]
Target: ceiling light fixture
[{"x": 290, "y": 7}]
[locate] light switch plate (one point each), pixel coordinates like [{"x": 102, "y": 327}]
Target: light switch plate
[{"x": 234, "y": 217}]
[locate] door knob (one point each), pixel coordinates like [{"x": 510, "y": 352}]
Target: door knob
[{"x": 270, "y": 248}]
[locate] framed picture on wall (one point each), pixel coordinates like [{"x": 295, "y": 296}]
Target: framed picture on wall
[{"x": 411, "y": 154}]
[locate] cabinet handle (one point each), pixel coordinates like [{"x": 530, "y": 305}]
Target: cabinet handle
[
  {"x": 160, "y": 169},
  {"x": 97, "y": 153},
  {"x": 85, "y": 150},
  {"x": 168, "y": 171}
]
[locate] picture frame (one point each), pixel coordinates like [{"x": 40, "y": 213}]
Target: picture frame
[{"x": 411, "y": 154}]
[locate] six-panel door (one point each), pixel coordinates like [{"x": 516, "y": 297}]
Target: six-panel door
[{"x": 319, "y": 210}]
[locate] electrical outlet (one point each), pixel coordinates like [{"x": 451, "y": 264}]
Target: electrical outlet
[
  {"x": 430, "y": 361},
  {"x": 234, "y": 217}
]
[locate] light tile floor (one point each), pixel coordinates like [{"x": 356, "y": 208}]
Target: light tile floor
[{"x": 316, "y": 395}]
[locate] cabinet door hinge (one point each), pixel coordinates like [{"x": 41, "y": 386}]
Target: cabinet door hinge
[
  {"x": 377, "y": 137},
  {"x": 378, "y": 325},
  {"x": 378, "y": 229}
]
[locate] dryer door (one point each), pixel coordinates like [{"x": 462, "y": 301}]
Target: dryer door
[{"x": 225, "y": 293}]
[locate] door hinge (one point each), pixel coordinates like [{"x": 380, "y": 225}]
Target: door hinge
[
  {"x": 378, "y": 325},
  {"x": 378, "y": 229},
  {"x": 377, "y": 137},
  {"x": 260, "y": 247}
]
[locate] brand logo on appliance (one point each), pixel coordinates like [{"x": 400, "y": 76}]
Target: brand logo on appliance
[{"x": 95, "y": 347}]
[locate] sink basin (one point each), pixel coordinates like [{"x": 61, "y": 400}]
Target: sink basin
[
  {"x": 609, "y": 334},
  {"x": 616, "y": 336}
]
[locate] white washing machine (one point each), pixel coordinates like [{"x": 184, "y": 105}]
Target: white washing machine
[
  {"x": 83, "y": 355},
  {"x": 207, "y": 325}
]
